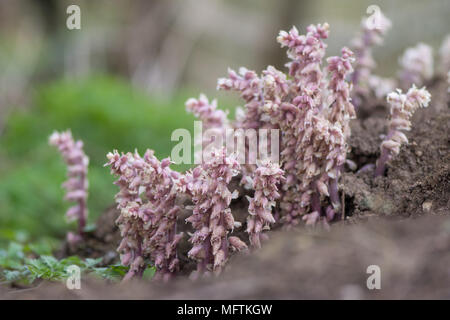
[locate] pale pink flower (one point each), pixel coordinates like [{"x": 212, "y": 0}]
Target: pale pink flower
[
  {"x": 148, "y": 212},
  {"x": 211, "y": 219},
  {"x": 403, "y": 107},
  {"x": 77, "y": 183},
  {"x": 266, "y": 179}
]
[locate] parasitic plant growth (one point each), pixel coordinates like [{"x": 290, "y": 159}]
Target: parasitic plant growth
[
  {"x": 77, "y": 183},
  {"x": 403, "y": 107},
  {"x": 311, "y": 105},
  {"x": 373, "y": 30},
  {"x": 266, "y": 179},
  {"x": 214, "y": 122},
  {"x": 148, "y": 212},
  {"x": 212, "y": 219}
]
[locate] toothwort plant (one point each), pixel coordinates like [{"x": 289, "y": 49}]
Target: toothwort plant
[
  {"x": 372, "y": 32},
  {"x": 212, "y": 219},
  {"x": 311, "y": 106},
  {"x": 148, "y": 212},
  {"x": 77, "y": 183},
  {"x": 266, "y": 179},
  {"x": 403, "y": 107}
]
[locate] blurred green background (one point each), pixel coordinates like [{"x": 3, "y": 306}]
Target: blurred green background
[
  {"x": 121, "y": 81},
  {"x": 107, "y": 114}
]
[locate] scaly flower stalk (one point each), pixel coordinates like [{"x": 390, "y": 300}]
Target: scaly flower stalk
[
  {"x": 321, "y": 163},
  {"x": 417, "y": 65},
  {"x": 294, "y": 114},
  {"x": 266, "y": 178},
  {"x": 373, "y": 30},
  {"x": 341, "y": 110},
  {"x": 147, "y": 224},
  {"x": 77, "y": 184},
  {"x": 306, "y": 52},
  {"x": 213, "y": 120},
  {"x": 248, "y": 84},
  {"x": 212, "y": 219},
  {"x": 403, "y": 107}
]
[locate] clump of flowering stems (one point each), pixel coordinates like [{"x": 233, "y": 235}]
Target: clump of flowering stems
[
  {"x": 293, "y": 112},
  {"x": 319, "y": 118},
  {"x": 148, "y": 215},
  {"x": 403, "y": 107},
  {"x": 77, "y": 183},
  {"x": 251, "y": 90},
  {"x": 373, "y": 30},
  {"x": 416, "y": 65},
  {"x": 312, "y": 119},
  {"x": 212, "y": 219},
  {"x": 265, "y": 180}
]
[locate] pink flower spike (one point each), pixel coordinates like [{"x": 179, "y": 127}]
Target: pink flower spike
[{"x": 77, "y": 183}]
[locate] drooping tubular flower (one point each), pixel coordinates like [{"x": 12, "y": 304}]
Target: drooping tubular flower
[
  {"x": 303, "y": 99},
  {"x": 417, "y": 65},
  {"x": 212, "y": 219},
  {"x": 213, "y": 120},
  {"x": 77, "y": 183},
  {"x": 265, "y": 183},
  {"x": 373, "y": 30},
  {"x": 403, "y": 107},
  {"x": 255, "y": 91},
  {"x": 248, "y": 84},
  {"x": 341, "y": 110},
  {"x": 306, "y": 52},
  {"x": 148, "y": 212},
  {"x": 321, "y": 164}
]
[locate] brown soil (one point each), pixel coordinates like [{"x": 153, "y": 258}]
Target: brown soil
[
  {"x": 413, "y": 253},
  {"x": 102, "y": 242},
  {"x": 413, "y": 256}
]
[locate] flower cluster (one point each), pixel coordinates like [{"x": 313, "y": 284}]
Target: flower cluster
[
  {"x": 402, "y": 108},
  {"x": 373, "y": 30},
  {"x": 212, "y": 219},
  {"x": 148, "y": 212},
  {"x": 314, "y": 148},
  {"x": 306, "y": 53},
  {"x": 311, "y": 106},
  {"x": 416, "y": 65},
  {"x": 248, "y": 84},
  {"x": 77, "y": 183},
  {"x": 342, "y": 109},
  {"x": 213, "y": 120},
  {"x": 254, "y": 91},
  {"x": 265, "y": 183},
  {"x": 314, "y": 121}
]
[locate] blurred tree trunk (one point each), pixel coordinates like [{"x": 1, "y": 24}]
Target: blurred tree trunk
[{"x": 288, "y": 13}]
